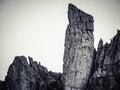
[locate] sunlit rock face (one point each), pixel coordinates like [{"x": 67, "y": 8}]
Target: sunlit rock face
[{"x": 79, "y": 49}]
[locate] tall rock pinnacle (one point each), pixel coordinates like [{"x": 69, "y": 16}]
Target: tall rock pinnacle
[
  {"x": 84, "y": 68},
  {"x": 79, "y": 49}
]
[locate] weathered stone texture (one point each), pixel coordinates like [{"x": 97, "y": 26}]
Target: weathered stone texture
[
  {"x": 84, "y": 68},
  {"x": 106, "y": 72},
  {"x": 79, "y": 49},
  {"x": 32, "y": 76}
]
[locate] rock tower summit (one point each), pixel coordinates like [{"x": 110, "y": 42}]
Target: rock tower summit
[{"x": 79, "y": 49}]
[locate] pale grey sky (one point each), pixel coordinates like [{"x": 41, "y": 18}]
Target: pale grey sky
[{"x": 37, "y": 28}]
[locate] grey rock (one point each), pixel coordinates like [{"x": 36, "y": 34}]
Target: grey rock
[
  {"x": 79, "y": 49},
  {"x": 32, "y": 76},
  {"x": 106, "y": 76},
  {"x": 84, "y": 67}
]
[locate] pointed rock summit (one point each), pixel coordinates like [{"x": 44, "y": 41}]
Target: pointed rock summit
[
  {"x": 79, "y": 49},
  {"x": 32, "y": 76},
  {"x": 106, "y": 72},
  {"x": 80, "y": 18}
]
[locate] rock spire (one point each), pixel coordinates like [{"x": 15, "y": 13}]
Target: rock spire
[
  {"x": 84, "y": 67},
  {"x": 106, "y": 67},
  {"x": 79, "y": 49}
]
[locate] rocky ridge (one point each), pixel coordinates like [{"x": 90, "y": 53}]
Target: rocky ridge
[
  {"x": 84, "y": 67},
  {"x": 32, "y": 76},
  {"x": 106, "y": 66}
]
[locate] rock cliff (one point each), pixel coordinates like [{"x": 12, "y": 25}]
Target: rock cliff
[
  {"x": 79, "y": 49},
  {"x": 84, "y": 67}
]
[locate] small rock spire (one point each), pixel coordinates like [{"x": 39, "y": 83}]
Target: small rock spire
[{"x": 100, "y": 45}]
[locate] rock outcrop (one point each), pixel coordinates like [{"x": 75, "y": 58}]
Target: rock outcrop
[
  {"x": 84, "y": 67},
  {"x": 79, "y": 49},
  {"x": 106, "y": 67},
  {"x": 32, "y": 76}
]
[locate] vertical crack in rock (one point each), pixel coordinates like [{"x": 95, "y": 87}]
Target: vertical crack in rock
[{"x": 79, "y": 49}]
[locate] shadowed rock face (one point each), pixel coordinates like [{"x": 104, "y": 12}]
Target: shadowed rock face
[
  {"x": 106, "y": 66},
  {"x": 79, "y": 49},
  {"x": 32, "y": 76}
]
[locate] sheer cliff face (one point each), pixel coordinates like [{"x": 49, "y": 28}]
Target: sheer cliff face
[{"x": 79, "y": 48}]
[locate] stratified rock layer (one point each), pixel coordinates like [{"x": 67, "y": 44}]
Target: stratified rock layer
[{"x": 79, "y": 49}]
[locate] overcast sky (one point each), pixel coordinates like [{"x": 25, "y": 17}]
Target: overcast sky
[{"x": 37, "y": 28}]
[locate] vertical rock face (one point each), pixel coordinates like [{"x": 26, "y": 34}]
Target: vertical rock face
[
  {"x": 79, "y": 49},
  {"x": 106, "y": 73}
]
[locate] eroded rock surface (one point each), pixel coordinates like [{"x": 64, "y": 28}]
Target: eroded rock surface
[
  {"x": 79, "y": 49},
  {"x": 84, "y": 68},
  {"x": 32, "y": 76},
  {"x": 106, "y": 67}
]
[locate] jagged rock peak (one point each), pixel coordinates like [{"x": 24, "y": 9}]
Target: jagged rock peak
[
  {"x": 75, "y": 9},
  {"x": 118, "y": 34},
  {"x": 32, "y": 76},
  {"x": 78, "y": 17},
  {"x": 20, "y": 59},
  {"x": 107, "y": 71},
  {"x": 118, "y": 31},
  {"x": 100, "y": 44}
]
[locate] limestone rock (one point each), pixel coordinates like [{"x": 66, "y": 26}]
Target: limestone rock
[{"x": 79, "y": 49}]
